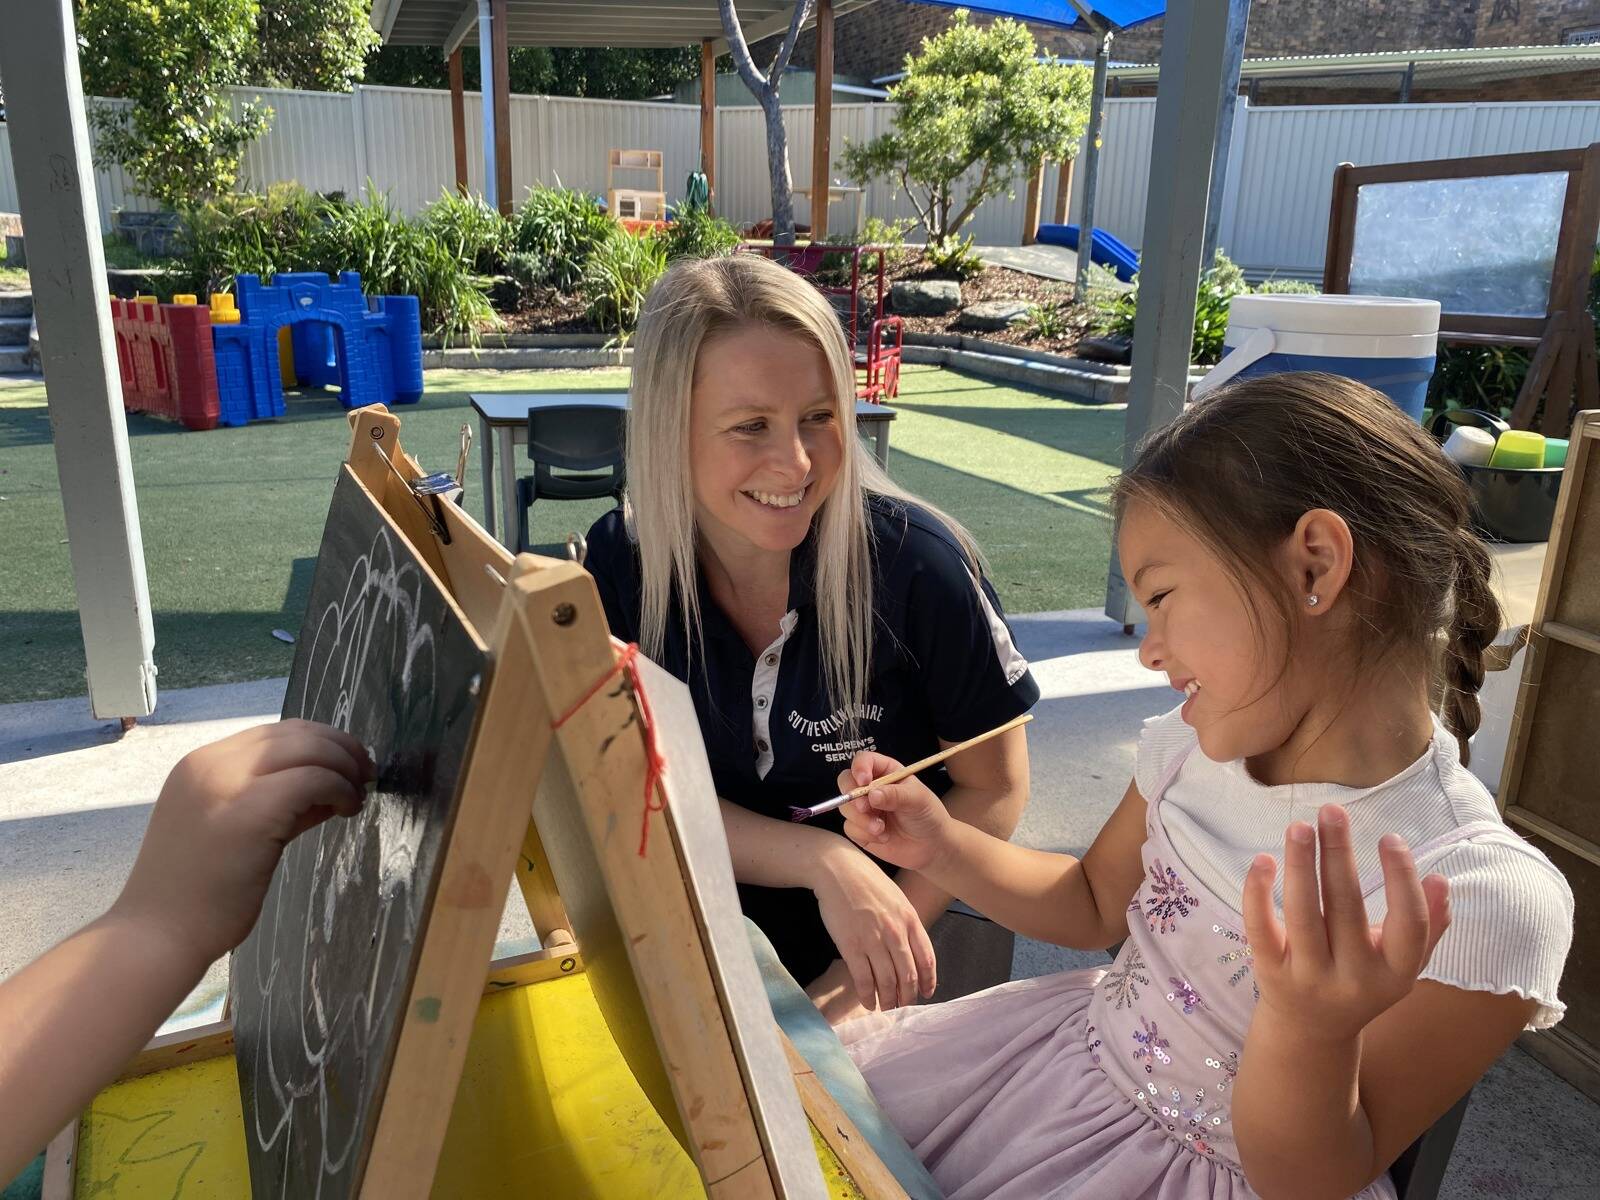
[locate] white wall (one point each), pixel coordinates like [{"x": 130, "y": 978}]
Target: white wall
[{"x": 1275, "y": 210}]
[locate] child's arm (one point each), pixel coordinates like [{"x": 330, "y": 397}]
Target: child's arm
[
  {"x": 1349, "y": 1059},
  {"x": 73, "y": 1017},
  {"x": 1056, "y": 898}
]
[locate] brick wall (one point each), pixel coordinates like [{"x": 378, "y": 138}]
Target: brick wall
[{"x": 873, "y": 41}]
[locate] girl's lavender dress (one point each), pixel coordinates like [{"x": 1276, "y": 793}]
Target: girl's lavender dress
[{"x": 1108, "y": 1084}]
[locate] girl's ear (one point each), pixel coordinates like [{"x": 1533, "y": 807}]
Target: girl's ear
[{"x": 1319, "y": 556}]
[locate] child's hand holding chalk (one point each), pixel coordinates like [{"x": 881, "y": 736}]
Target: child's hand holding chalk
[
  {"x": 75, "y": 1015},
  {"x": 224, "y": 817}
]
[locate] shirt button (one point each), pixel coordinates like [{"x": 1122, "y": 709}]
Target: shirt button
[
  {"x": 761, "y": 701},
  {"x": 761, "y": 745},
  {"x": 772, "y": 660}
]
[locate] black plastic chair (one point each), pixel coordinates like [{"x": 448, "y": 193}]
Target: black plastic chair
[
  {"x": 1418, "y": 1173},
  {"x": 582, "y": 441}
]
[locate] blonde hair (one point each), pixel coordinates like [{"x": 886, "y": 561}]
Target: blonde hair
[{"x": 698, "y": 299}]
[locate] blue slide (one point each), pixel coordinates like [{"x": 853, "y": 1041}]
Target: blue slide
[{"x": 1104, "y": 249}]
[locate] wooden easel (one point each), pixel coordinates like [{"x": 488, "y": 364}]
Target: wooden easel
[
  {"x": 1550, "y": 784},
  {"x": 645, "y": 982},
  {"x": 1562, "y": 373}
]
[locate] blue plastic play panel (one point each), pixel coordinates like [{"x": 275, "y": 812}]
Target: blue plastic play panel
[{"x": 1104, "y": 249}]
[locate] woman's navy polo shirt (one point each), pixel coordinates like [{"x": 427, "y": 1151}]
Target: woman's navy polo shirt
[{"x": 943, "y": 666}]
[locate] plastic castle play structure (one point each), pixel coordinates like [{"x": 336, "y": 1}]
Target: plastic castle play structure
[{"x": 229, "y": 362}]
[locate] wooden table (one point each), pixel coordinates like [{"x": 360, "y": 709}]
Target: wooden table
[{"x": 503, "y": 426}]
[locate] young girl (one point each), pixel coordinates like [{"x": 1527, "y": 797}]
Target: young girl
[{"x": 1303, "y": 553}]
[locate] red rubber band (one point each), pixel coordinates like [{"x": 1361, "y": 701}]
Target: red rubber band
[{"x": 655, "y": 762}]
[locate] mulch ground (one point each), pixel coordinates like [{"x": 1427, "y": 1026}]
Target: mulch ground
[{"x": 552, "y": 311}]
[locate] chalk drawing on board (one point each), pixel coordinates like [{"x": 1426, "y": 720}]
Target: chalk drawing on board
[{"x": 320, "y": 985}]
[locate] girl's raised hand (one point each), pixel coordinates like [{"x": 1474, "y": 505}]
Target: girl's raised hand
[
  {"x": 1324, "y": 969},
  {"x": 902, "y": 823}
]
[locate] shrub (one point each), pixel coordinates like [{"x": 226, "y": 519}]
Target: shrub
[
  {"x": 697, "y": 234},
  {"x": 1048, "y": 321},
  {"x": 564, "y": 227},
  {"x": 477, "y": 234},
  {"x": 1115, "y": 310},
  {"x": 618, "y": 275},
  {"x": 953, "y": 256},
  {"x": 289, "y": 229},
  {"x": 1286, "y": 287},
  {"x": 250, "y": 233},
  {"x": 397, "y": 256}
]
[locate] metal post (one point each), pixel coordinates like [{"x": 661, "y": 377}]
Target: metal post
[
  {"x": 486, "y": 97},
  {"x": 1194, "y": 60},
  {"x": 1238, "y": 24},
  {"x": 1091, "y": 162},
  {"x": 1406, "y": 81},
  {"x": 55, "y": 191}
]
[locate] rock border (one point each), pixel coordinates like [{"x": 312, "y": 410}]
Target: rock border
[{"x": 1079, "y": 379}]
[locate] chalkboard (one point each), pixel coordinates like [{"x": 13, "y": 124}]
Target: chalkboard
[{"x": 321, "y": 985}]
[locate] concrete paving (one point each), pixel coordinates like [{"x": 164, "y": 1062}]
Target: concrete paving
[
  {"x": 75, "y": 797},
  {"x": 1048, "y": 262}
]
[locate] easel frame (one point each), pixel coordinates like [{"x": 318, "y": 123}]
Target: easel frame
[
  {"x": 1542, "y": 743},
  {"x": 1563, "y": 369},
  {"x": 725, "y": 1080}
]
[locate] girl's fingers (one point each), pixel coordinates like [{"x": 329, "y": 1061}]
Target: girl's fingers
[
  {"x": 1406, "y": 924},
  {"x": 285, "y": 753},
  {"x": 885, "y": 982},
  {"x": 905, "y": 971},
  {"x": 861, "y": 978},
  {"x": 927, "y": 961},
  {"x": 867, "y": 766},
  {"x": 1302, "y": 908},
  {"x": 288, "y": 795},
  {"x": 295, "y": 727},
  {"x": 1345, "y": 913},
  {"x": 1437, "y": 889},
  {"x": 1261, "y": 927}
]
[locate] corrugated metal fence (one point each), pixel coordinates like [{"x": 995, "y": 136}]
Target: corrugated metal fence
[{"x": 1275, "y": 209}]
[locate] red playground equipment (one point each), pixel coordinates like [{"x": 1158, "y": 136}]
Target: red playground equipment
[{"x": 854, "y": 281}]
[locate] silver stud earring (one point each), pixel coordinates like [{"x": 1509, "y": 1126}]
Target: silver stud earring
[{"x": 1313, "y": 600}]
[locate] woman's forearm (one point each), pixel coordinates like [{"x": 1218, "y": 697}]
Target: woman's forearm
[
  {"x": 1297, "y": 1114},
  {"x": 773, "y": 853},
  {"x": 995, "y": 813}
]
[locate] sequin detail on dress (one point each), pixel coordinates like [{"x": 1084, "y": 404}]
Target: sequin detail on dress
[
  {"x": 1122, "y": 983},
  {"x": 1241, "y": 954},
  {"x": 1170, "y": 899},
  {"x": 1183, "y": 993},
  {"x": 1152, "y": 1046}
]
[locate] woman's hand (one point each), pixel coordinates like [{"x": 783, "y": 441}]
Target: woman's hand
[
  {"x": 902, "y": 823},
  {"x": 879, "y": 935},
  {"x": 1324, "y": 970}
]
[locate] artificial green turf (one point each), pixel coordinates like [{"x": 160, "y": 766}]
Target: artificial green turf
[{"x": 232, "y": 518}]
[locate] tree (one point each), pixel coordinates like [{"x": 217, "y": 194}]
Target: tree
[
  {"x": 764, "y": 87},
  {"x": 979, "y": 100},
  {"x": 181, "y": 138},
  {"x": 597, "y": 72},
  {"x": 315, "y": 45}
]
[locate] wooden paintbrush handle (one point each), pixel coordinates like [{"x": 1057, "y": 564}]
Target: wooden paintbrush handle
[{"x": 949, "y": 752}]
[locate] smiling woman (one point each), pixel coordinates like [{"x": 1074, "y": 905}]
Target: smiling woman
[{"x": 816, "y": 610}]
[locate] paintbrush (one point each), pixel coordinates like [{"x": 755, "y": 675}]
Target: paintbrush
[{"x": 827, "y": 806}]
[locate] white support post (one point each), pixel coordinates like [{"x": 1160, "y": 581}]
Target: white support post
[
  {"x": 1189, "y": 92},
  {"x": 55, "y": 189},
  {"x": 358, "y": 122},
  {"x": 1222, "y": 158},
  {"x": 486, "y": 93}
]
